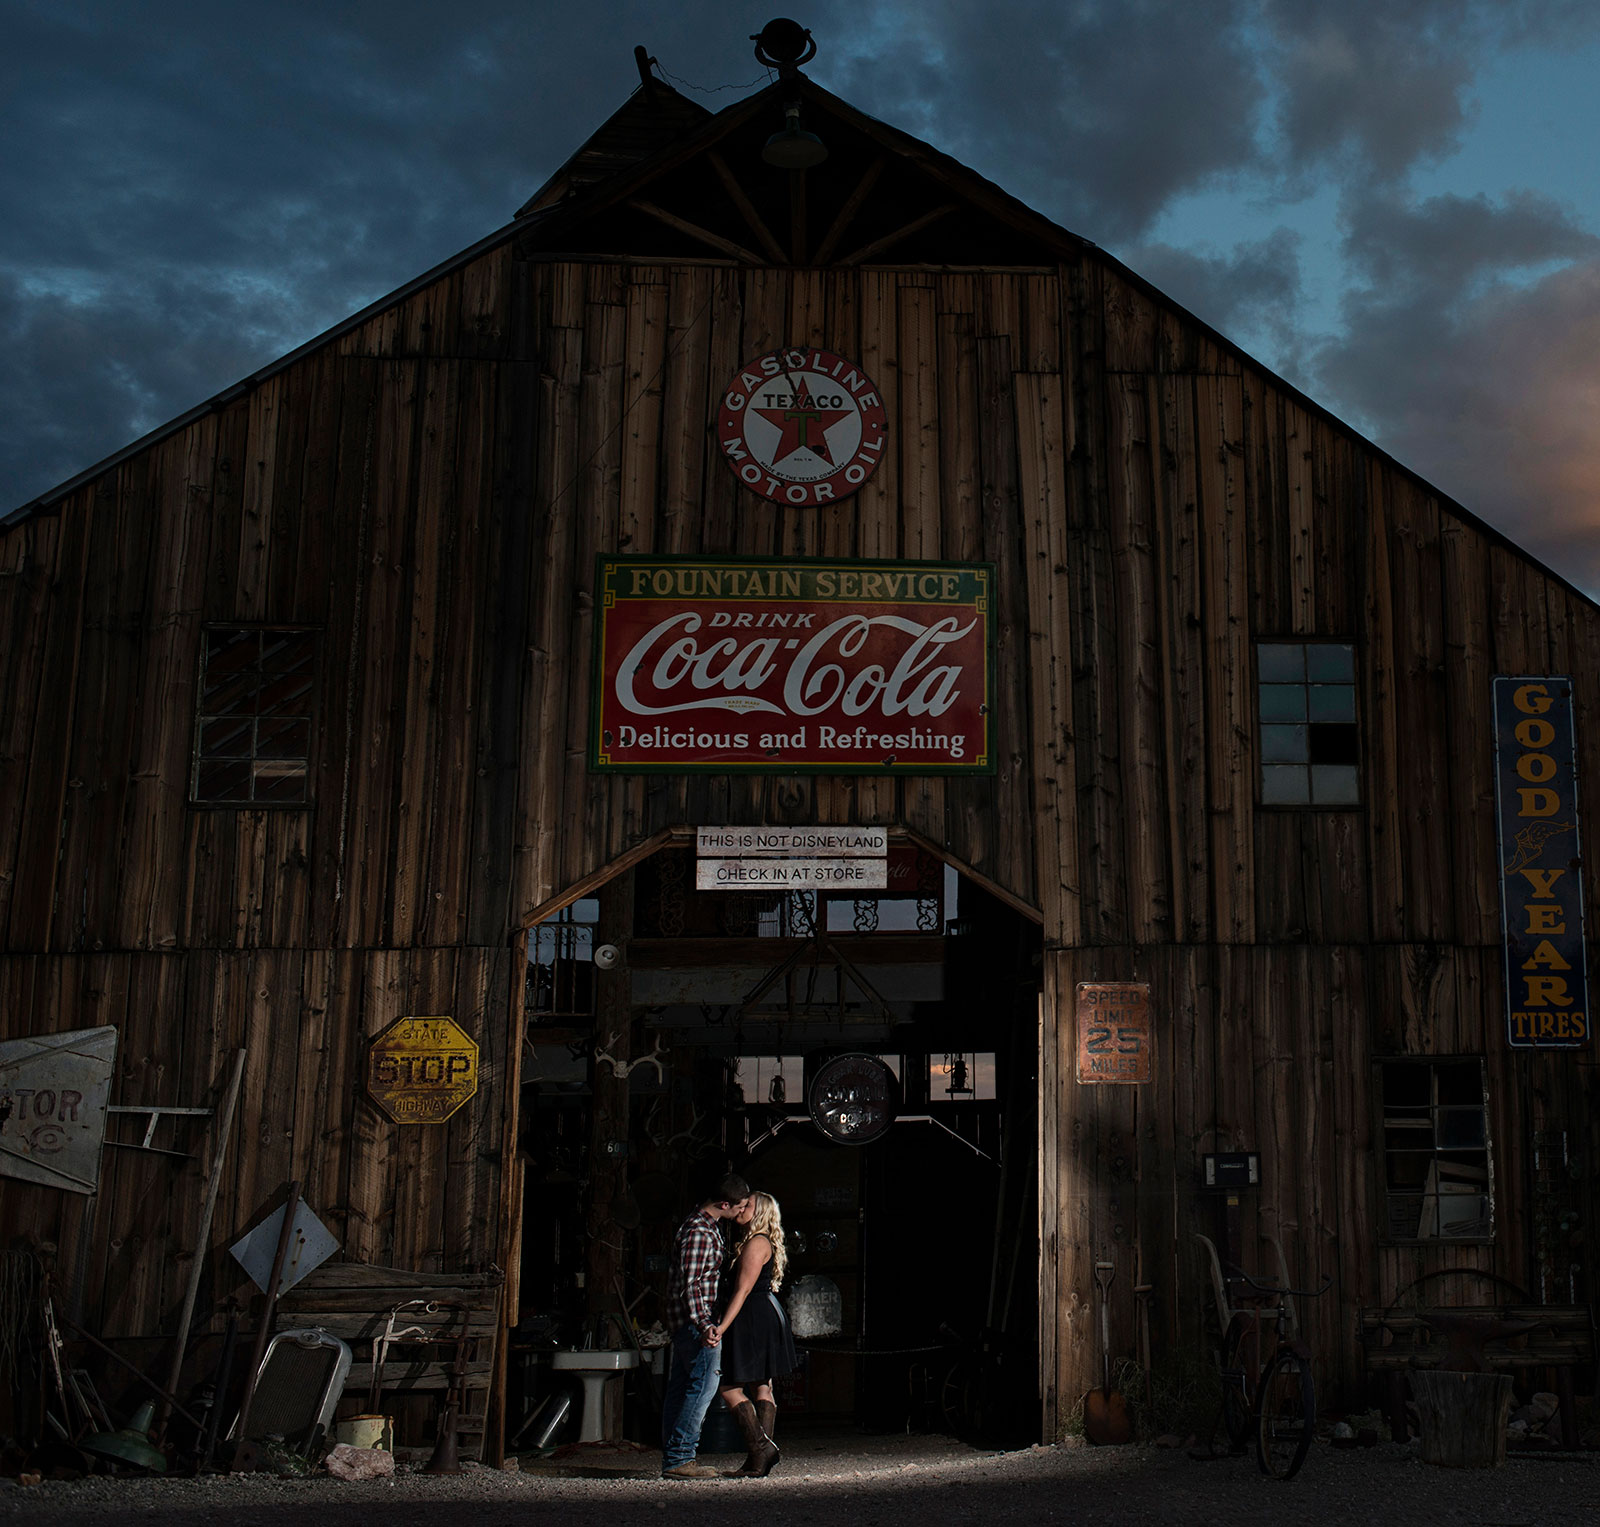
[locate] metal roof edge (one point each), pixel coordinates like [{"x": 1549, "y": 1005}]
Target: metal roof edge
[{"x": 1456, "y": 508}]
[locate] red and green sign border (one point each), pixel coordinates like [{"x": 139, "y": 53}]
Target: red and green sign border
[{"x": 985, "y": 603}]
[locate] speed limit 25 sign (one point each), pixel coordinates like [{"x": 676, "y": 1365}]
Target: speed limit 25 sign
[{"x": 1115, "y": 1038}]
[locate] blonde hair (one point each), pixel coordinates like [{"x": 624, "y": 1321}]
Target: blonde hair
[{"x": 768, "y": 1221}]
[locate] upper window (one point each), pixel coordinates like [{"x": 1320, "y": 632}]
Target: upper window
[
  {"x": 253, "y": 722},
  {"x": 1436, "y": 1150},
  {"x": 561, "y": 964},
  {"x": 1307, "y": 702}
]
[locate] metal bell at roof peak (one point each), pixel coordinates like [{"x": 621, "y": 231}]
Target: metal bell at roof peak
[{"x": 784, "y": 45}]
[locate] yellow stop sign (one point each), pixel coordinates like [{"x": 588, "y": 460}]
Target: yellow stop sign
[{"x": 421, "y": 1070}]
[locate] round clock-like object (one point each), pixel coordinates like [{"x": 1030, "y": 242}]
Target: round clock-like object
[{"x": 853, "y": 1098}]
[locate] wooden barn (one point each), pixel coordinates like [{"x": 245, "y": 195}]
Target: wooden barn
[{"x": 781, "y": 615}]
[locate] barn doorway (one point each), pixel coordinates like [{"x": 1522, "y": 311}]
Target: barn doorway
[{"x": 675, "y": 1034}]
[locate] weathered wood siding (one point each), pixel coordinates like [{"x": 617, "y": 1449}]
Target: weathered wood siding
[
  {"x": 426, "y": 1198},
  {"x": 430, "y": 490}
]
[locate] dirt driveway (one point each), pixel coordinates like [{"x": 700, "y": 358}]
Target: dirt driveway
[{"x": 870, "y": 1482}]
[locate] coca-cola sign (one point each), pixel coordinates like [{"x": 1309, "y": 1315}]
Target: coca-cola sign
[{"x": 792, "y": 665}]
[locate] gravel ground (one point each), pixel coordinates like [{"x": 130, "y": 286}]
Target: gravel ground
[{"x": 873, "y": 1482}]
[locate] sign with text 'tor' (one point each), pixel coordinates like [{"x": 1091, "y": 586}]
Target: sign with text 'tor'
[
  {"x": 1541, "y": 864},
  {"x": 421, "y": 1070},
  {"x": 783, "y": 666},
  {"x": 1115, "y": 1039}
]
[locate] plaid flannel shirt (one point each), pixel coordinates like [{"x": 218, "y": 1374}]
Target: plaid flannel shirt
[{"x": 696, "y": 1262}]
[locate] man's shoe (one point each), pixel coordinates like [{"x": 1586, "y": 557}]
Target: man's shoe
[{"x": 691, "y": 1470}]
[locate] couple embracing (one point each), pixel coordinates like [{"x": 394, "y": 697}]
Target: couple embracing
[{"x": 730, "y": 1335}]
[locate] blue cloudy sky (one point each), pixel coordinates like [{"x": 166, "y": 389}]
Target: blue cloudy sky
[{"x": 1394, "y": 204}]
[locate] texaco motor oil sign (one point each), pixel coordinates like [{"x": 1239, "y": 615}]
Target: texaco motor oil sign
[
  {"x": 801, "y": 427},
  {"x": 792, "y": 665}
]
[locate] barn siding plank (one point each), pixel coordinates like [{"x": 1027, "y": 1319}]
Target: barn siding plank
[
  {"x": 1219, "y": 404},
  {"x": 1041, "y": 468}
]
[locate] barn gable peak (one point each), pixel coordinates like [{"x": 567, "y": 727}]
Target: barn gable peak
[
  {"x": 655, "y": 115},
  {"x": 706, "y": 191}
]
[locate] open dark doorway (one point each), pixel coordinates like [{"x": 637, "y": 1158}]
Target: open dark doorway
[{"x": 674, "y": 1034}]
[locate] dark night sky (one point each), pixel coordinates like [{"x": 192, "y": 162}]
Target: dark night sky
[{"x": 1392, "y": 204}]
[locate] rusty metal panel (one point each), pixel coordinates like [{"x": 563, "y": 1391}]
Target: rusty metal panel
[
  {"x": 421, "y": 1070},
  {"x": 53, "y": 1094},
  {"x": 1116, "y": 1042}
]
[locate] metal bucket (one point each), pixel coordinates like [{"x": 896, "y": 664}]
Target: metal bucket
[{"x": 366, "y": 1431}]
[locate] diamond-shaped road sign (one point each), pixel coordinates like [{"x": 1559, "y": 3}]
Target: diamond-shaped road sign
[{"x": 421, "y": 1070}]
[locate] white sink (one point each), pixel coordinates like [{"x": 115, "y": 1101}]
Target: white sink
[
  {"x": 593, "y": 1369},
  {"x": 595, "y": 1362}
]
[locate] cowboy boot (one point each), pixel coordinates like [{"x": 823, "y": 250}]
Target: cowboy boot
[
  {"x": 767, "y": 1415},
  {"x": 762, "y": 1457}
]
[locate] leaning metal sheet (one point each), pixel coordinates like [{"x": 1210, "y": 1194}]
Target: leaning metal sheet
[
  {"x": 53, "y": 1094},
  {"x": 311, "y": 1243}
]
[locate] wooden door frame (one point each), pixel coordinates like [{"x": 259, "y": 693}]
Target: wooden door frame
[{"x": 511, "y": 1184}]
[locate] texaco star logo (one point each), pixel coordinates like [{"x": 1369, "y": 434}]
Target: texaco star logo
[{"x": 802, "y": 427}]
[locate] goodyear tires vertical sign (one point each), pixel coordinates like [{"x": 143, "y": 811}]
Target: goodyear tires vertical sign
[{"x": 1541, "y": 864}]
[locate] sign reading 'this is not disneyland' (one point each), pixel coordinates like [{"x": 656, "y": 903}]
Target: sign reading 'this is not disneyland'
[{"x": 1541, "y": 864}]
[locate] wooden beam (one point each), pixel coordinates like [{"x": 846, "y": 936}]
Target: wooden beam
[
  {"x": 961, "y": 867},
  {"x": 847, "y": 213},
  {"x": 596, "y": 878},
  {"x": 905, "y": 231},
  {"x": 695, "y": 231},
  {"x": 797, "y": 215},
  {"x": 746, "y": 208}
]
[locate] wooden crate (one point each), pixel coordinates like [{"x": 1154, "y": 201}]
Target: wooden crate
[{"x": 354, "y": 1301}]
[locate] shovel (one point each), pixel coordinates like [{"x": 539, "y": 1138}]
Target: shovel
[{"x": 1105, "y": 1412}]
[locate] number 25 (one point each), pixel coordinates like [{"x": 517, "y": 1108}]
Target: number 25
[{"x": 1129, "y": 1041}]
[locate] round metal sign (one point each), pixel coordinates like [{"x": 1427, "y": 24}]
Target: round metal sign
[
  {"x": 853, "y": 1098},
  {"x": 802, "y": 427}
]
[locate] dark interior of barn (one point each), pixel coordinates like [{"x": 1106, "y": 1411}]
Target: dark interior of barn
[{"x": 675, "y": 1034}]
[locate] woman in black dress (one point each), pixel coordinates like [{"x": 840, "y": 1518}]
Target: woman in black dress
[{"x": 757, "y": 1345}]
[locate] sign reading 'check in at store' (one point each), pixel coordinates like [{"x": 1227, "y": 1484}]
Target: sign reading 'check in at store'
[{"x": 792, "y": 858}]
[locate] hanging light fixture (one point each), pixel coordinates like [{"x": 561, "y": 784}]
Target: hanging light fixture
[
  {"x": 960, "y": 1083},
  {"x": 794, "y": 148}
]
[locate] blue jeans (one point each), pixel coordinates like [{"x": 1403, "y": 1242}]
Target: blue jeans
[{"x": 691, "y": 1387}]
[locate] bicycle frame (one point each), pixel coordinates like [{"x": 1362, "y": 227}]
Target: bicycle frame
[{"x": 1266, "y": 1373}]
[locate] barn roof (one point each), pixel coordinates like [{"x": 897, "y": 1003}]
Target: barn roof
[
  {"x": 654, "y": 115},
  {"x": 663, "y": 178},
  {"x": 880, "y": 195}
]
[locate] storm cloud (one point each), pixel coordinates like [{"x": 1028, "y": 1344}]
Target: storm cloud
[
  {"x": 190, "y": 193},
  {"x": 1469, "y": 351}
]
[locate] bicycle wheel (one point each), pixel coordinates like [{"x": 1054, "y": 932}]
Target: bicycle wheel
[
  {"x": 1238, "y": 1361},
  {"x": 1287, "y": 1416},
  {"x": 956, "y": 1399}
]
